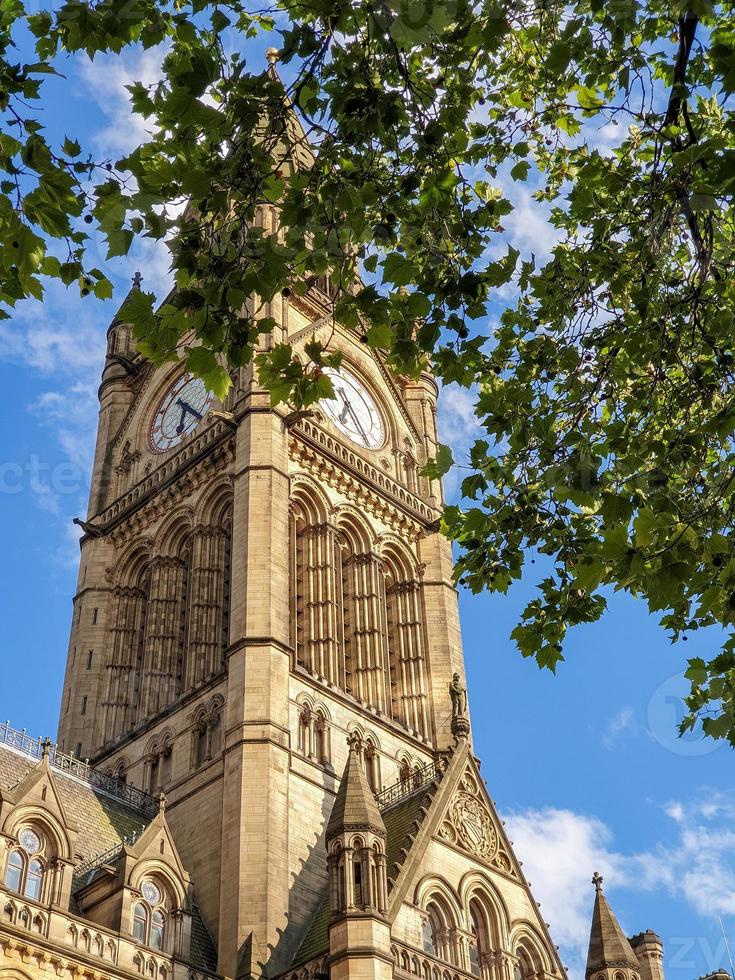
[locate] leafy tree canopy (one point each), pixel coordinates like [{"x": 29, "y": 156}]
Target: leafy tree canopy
[{"x": 605, "y": 387}]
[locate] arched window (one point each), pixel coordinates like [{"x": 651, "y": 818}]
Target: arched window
[
  {"x": 140, "y": 923},
  {"x": 479, "y": 945},
  {"x": 34, "y": 880},
  {"x": 321, "y": 738},
  {"x": 304, "y": 739},
  {"x": 158, "y": 926},
  {"x": 215, "y": 726},
  {"x": 24, "y": 872},
  {"x": 154, "y": 774},
  {"x": 439, "y": 933},
  {"x": 372, "y": 766},
  {"x": 432, "y": 931},
  {"x": 150, "y": 916},
  {"x": 528, "y": 965},
  {"x": 15, "y": 870}
]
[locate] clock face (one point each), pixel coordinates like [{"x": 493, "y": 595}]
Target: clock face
[
  {"x": 353, "y": 410},
  {"x": 180, "y": 411}
]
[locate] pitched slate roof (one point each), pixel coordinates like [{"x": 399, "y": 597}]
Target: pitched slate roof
[
  {"x": 203, "y": 953},
  {"x": 102, "y": 820}
]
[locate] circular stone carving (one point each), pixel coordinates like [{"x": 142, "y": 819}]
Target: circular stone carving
[
  {"x": 29, "y": 841},
  {"x": 475, "y": 826}
]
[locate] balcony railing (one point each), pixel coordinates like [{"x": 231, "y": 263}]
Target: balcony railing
[
  {"x": 35, "y": 748},
  {"x": 410, "y": 784}
]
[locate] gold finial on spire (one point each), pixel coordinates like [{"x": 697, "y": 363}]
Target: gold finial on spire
[{"x": 272, "y": 55}]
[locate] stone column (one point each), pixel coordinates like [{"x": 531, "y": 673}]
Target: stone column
[{"x": 254, "y": 884}]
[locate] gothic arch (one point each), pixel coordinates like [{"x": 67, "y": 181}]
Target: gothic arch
[
  {"x": 215, "y": 506},
  {"x": 526, "y": 942},
  {"x": 173, "y": 533},
  {"x": 47, "y": 824},
  {"x": 151, "y": 868},
  {"x": 475, "y": 885},
  {"x": 357, "y": 532},
  {"x": 434, "y": 887},
  {"x": 309, "y": 499},
  {"x": 132, "y": 564}
]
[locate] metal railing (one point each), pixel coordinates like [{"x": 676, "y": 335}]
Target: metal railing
[
  {"x": 36, "y": 748},
  {"x": 409, "y": 784},
  {"x": 106, "y": 857}
]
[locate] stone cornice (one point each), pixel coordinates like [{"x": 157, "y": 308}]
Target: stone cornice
[
  {"x": 201, "y": 458},
  {"x": 326, "y": 458}
]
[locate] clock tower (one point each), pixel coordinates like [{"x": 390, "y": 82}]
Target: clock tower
[
  {"x": 254, "y": 589},
  {"x": 264, "y": 766}
]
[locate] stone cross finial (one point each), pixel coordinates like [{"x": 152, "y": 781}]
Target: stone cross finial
[
  {"x": 272, "y": 55},
  {"x": 597, "y": 881},
  {"x": 137, "y": 280},
  {"x": 355, "y": 742},
  {"x": 46, "y": 746},
  {"x": 161, "y": 802}
]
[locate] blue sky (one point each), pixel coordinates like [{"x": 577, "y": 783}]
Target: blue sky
[{"x": 585, "y": 767}]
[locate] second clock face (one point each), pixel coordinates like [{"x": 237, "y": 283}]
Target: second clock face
[
  {"x": 180, "y": 411},
  {"x": 353, "y": 410}
]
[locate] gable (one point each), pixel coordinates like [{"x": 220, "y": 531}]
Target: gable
[{"x": 459, "y": 853}]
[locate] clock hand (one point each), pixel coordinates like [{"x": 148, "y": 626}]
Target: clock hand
[
  {"x": 357, "y": 424},
  {"x": 187, "y": 408},
  {"x": 346, "y": 406}
]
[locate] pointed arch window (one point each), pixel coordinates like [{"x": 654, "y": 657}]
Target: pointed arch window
[
  {"x": 15, "y": 871},
  {"x": 479, "y": 945},
  {"x": 25, "y": 869},
  {"x": 140, "y": 922},
  {"x": 158, "y": 929},
  {"x": 150, "y": 916},
  {"x": 34, "y": 880}
]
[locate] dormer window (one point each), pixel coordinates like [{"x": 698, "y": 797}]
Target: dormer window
[{"x": 150, "y": 916}]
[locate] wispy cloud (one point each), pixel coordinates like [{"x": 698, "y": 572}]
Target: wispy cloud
[{"x": 620, "y": 725}]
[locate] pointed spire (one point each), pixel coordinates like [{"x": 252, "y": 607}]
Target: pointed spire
[
  {"x": 608, "y": 944},
  {"x": 354, "y": 806}
]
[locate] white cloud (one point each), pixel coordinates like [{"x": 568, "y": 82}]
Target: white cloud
[
  {"x": 458, "y": 428},
  {"x": 105, "y": 81},
  {"x": 560, "y": 849},
  {"x": 621, "y": 724}
]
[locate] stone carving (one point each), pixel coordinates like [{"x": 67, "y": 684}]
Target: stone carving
[
  {"x": 474, "y": 826},
  {"x": 460, "y": 721}
]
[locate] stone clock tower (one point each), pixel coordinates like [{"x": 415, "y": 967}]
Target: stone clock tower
[{"x": 265, "y": 629}]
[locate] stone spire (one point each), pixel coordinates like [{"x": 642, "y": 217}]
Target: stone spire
[
  {"x": 609, "y": 949},
  {"x": 354, "y": 807}
]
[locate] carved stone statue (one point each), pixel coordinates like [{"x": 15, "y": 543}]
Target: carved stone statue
[{"x": 459, "y": 698}]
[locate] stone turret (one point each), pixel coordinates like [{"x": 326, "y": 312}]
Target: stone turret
[
  {"x": 610, "y": 954},
  {"x": 649, "y": 949},
  {"x": 359, "y": 934}
]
